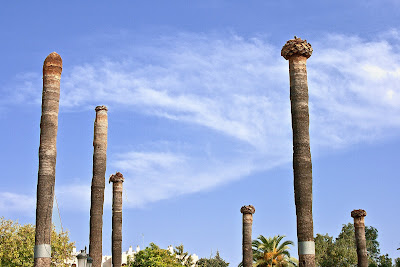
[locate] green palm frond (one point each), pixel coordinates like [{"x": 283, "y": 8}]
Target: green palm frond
[{"x": 275, "y": 248}]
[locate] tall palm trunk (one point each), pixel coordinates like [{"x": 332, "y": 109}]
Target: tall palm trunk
[
  {"x": 52, "y": 69},
  {"x": 98, "y": 185},
  {"x": 248, "y": 212},
  {"x": 361, "y": 243},
  {"x": 117, "y": 180},
  {"x": 297, "y": 51}
]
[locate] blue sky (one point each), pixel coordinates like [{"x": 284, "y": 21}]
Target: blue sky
[{"x": 199, "y": 116}]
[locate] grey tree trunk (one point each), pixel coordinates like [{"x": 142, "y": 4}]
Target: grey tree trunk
[
  {"x": 98, "y": 185},
  {"x": 52, "y": 69},
  {"x": 117, "y": 180},
  {"x": 361, "y": 243},
  {"x": 297, "y": 51},
  {"x": 248, "y": 212}
]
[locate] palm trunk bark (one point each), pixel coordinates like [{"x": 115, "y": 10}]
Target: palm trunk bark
[
  {"x": 297, "y": 51},
  {"x": 52, "y": 69},
  {"x": 248, "y": 212},
  {"x": 98, "y": 185},
  {"x": 361, "y": 243},
  {"x": 117, "y": 180}
]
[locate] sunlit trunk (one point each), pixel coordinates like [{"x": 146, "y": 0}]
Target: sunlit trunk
[
  {"x": 248, "y": 212},
  {"x": 361, "y": 242},
  {"x": 52, "y": 69},
  {"x": 117, "y": 180},
  {"x": 98, "y": 185},
  {"x": 297, "y": 51}
]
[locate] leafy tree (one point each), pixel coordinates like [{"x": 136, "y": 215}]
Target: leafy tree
[
  {"x": 342, "y": 251},
  {"x": 323, "y": 246},
  {"x": 271, "y": 252},
  {"x": 397, "y": 262},
  {"x": 17, "y": 242},
  {"x": 217, "y": 261},
  {"x": 183, "y": 257},
  {"x": 153, "y": 256},
  {"x": 371, "y": 235},
  {"x": 385, "y": 261}
]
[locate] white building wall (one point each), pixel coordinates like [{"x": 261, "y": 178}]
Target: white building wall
[{"x": 107, "y": 260}]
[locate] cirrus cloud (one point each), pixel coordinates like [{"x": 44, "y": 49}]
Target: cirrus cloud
[{"x": 236, "y": 89}]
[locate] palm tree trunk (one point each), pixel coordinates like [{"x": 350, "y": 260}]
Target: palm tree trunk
[
  {"x": 248, "y": 212},
  {"x": 98, "y": 185},
  {"x": 297, "y": 51},
  {"x": 361, "y": 243},
  {"x": 52, "y": 69},
  {"x": 117, "y": 180}
]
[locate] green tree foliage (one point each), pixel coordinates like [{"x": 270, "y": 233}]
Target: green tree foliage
[
  {"x": 385, "y": 261},
  {"x": 397, "y": 262},
  {"x": 271, "y": 252},
  {"x": 342, "y": 251},
  {"x": 153, "y": 256},
  {"x": 17, "y": 242},
  {"x": 323, "y": 244},
  {"x": 217, "y": 261},
  {"x": 184, "y": 258}
]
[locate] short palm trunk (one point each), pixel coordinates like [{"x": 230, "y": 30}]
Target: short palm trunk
[
  {"x": 117, "y": 180},
  {"x": 247, "y": 212}
]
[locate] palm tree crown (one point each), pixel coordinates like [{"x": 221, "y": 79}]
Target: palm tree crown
[{"x": 268, "y": 252}]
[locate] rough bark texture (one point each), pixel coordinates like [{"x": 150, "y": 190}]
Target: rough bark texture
[
  {"x": 361, "y": 242},
  {"x": 297, "y": 51},
  {"x": 42, "y": 262},
  {"x": 248, "y": 212},
  {"x": 307, "y": 260},
  {"x": 98, "y": 185},
  {"x": 52, "y": 69},
  {"x": 117, "y": 180}
]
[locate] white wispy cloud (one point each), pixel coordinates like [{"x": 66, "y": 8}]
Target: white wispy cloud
[
  {"x": 142, "y": 162},
  {"x": 16, "y": 203},
  {"x": 226, "y": 85},
  {"x": 354, "y": 90},
  {"x": 76, "y": 195},
  {"x": 237, "y": 88},
  {"x": 156, "y": 176}
]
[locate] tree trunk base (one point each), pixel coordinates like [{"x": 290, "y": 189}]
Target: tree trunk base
[
  {"x": 307, "y": 260},
  {"x": 42, "y": 262}
]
